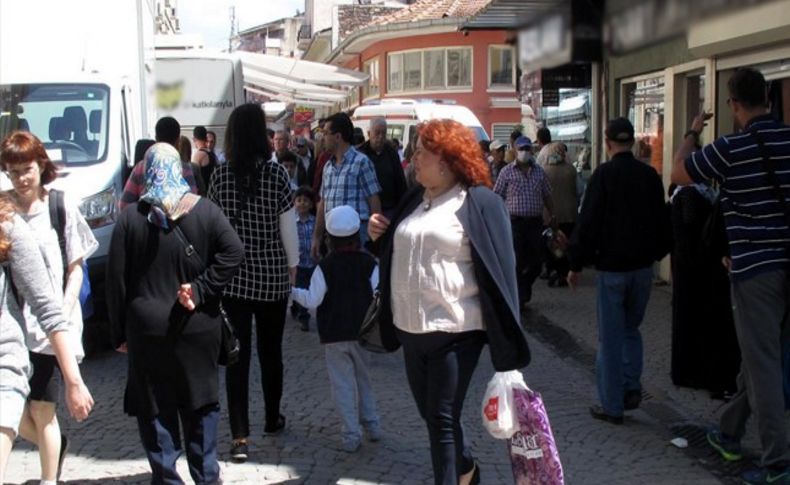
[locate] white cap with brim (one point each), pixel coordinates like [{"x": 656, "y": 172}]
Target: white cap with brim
[
  {"x": 342, "y": 221},
  {"x": 496, "y": 145}
]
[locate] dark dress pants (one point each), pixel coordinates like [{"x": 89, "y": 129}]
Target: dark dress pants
[
  {"x": 162, "y": 443},
  {"x": 439, "y": 367},
  {"x": 269, "y": 326},
  {"x": 528, "y": 245}
]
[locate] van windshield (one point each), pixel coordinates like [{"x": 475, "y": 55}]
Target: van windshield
[{"x": 70, "y": 119}]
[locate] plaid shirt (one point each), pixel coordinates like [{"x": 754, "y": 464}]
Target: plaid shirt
[
  {"x": 351, "y": 183},
  {"x": 305, "y": 230},
  {"x": 134, "y": 186},
  {"x": 524, "y": 193}
]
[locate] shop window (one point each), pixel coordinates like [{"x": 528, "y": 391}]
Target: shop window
[
  {"x": 501, "y": 70},
  {"x": 371, "y": 89},
  {"x": 395, "y": 69},
  {"x": 434, "y": 69},
  {"x": 644, "y": 106},
  {"x": 429, "y": 70},
  {"x": 570, "y": 122},
  {"x": 459, "y": 68}
]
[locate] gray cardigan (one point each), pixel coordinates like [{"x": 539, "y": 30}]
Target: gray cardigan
[{"x": 31, "y": 280}]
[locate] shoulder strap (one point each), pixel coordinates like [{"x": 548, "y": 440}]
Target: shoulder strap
[
  {"x": 57, "y": 217},
  {"x": 189, "y": 249},
  {"x": 772, "y": 177}
]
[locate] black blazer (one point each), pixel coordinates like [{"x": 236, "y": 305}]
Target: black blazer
[{"x": 487, "y": 224}]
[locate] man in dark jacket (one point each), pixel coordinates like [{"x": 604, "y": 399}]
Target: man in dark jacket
[
  {"x": 623, "y": 229},
  {"x": 386, "y": 161}
]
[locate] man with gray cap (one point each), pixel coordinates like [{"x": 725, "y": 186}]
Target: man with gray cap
[{"x": 623, "y": 229}]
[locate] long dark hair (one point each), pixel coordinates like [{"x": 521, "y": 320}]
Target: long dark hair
[{"x": 246, "y": 144}]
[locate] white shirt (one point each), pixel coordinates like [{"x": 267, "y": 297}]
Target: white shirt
[
  {"x": 80, "y": 244},
  {"x": 313, "y": 297},
  {"x": 434, "y": 288}
]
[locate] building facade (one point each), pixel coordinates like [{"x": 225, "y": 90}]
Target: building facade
[{"x": 419, "y": 52}]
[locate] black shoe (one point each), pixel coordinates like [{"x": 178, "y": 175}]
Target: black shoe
[
  {"x": 276, "y": 428},
  {"x": 294, "y": 312},
  {"x": 304, "y": 320},
  {"x": 238, "y": 451},
  {"x": 64, "y": 447},
  {"x": 632, "y": 399},
  {"x": 597, "y": 412},
  {"x": 475, "y": 476}
]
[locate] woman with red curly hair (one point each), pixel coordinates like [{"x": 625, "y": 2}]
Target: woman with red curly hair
[{"x": 448, "y": 287}]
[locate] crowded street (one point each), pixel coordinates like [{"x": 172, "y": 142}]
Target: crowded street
[
  {"x": 401, "y": 242},
  {"x": 563, "y": 339}
]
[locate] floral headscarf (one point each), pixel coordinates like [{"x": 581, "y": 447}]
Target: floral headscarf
[{"x": 164, "y": 187}]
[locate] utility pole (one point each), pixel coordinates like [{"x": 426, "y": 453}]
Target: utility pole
[{"x": 233, "y": 30}]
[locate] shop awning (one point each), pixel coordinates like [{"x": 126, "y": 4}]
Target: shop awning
[
  {"x": 298, "y": 71},
  {"x": 295, "y": 81}
]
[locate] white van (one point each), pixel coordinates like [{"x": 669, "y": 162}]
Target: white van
[{"x": 403, "y": 115}]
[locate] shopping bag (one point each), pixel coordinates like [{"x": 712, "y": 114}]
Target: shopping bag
[
  {"x": 499, "y": 413},
  {"x": 533, "y": 452}
]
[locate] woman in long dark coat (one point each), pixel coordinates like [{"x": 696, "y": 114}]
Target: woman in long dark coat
[
  {"x": 705, "y": 351},
  {"x": 163, "y": 303}
]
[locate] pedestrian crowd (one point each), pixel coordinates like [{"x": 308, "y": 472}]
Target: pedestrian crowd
[{"x": 444, "y": 238}]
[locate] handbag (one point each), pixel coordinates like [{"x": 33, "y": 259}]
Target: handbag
[
  {"x": 230, "y": 347},
  {"x": 369, "y": 337}
]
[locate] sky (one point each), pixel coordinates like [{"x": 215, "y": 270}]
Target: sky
[{"x": 211, "y": 18}]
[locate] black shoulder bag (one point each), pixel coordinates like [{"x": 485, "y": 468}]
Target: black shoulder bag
[
  {"x": 775, "y": 182},
  {"x": 369, "y": 336},
  {"x": 229, "y": 350}
]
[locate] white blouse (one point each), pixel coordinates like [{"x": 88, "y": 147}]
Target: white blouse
[{"x": 434, "y": 288}]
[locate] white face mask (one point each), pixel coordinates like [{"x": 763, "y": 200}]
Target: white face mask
[{"x": 522, "y": 156}]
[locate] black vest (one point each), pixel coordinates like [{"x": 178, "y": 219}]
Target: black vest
[{"x": 348, "y": 295}]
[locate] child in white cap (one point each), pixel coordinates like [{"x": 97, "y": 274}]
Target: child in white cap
[{"x": 341, "y": 288}]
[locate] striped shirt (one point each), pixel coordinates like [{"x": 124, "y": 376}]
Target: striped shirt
[{"x": 756, "y": 226}]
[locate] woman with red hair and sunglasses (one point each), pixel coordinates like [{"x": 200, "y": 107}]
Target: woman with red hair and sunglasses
[{"x": 448, "y": 286}]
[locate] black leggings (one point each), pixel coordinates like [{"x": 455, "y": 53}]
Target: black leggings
[
  {"x": 269, "y": 326},
  {"x": 439, "y": 367}
]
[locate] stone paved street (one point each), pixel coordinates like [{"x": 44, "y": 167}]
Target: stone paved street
[{"x": 105, "y": 449}]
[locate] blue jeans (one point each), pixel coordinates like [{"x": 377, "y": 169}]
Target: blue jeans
[
  {"x": 622, "y": 300},
  {"x": 347, "y": 364},
  {"x": 162, "y": 442}
]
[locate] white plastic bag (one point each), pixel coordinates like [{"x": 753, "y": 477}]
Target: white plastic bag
[{"x": 499, "y": 410}]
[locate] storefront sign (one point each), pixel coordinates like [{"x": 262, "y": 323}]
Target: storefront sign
[
  {"x": 571, "y": 34},
  {"x": 303, "y": 115},
  {"x": 646, "y": 22}
]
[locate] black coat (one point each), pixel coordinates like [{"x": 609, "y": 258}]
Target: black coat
[
  {"x": 172, "y": 353},
  {"x": 487, "y": 224}
]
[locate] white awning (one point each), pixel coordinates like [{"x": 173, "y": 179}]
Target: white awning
[
  {"x": 293, "y": 80},
  {"x": 301, "y": 71}
]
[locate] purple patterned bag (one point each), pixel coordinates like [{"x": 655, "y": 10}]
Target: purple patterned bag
[{"x": 533, "y": 452}]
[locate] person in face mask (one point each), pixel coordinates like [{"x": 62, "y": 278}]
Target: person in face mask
[{"x": 527, "y": 192}]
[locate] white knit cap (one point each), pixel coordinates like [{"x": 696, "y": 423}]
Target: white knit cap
[{"x": 342, "y": 221}]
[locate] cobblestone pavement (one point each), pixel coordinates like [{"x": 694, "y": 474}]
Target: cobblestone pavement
[{"x": 105, "y": 449}]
